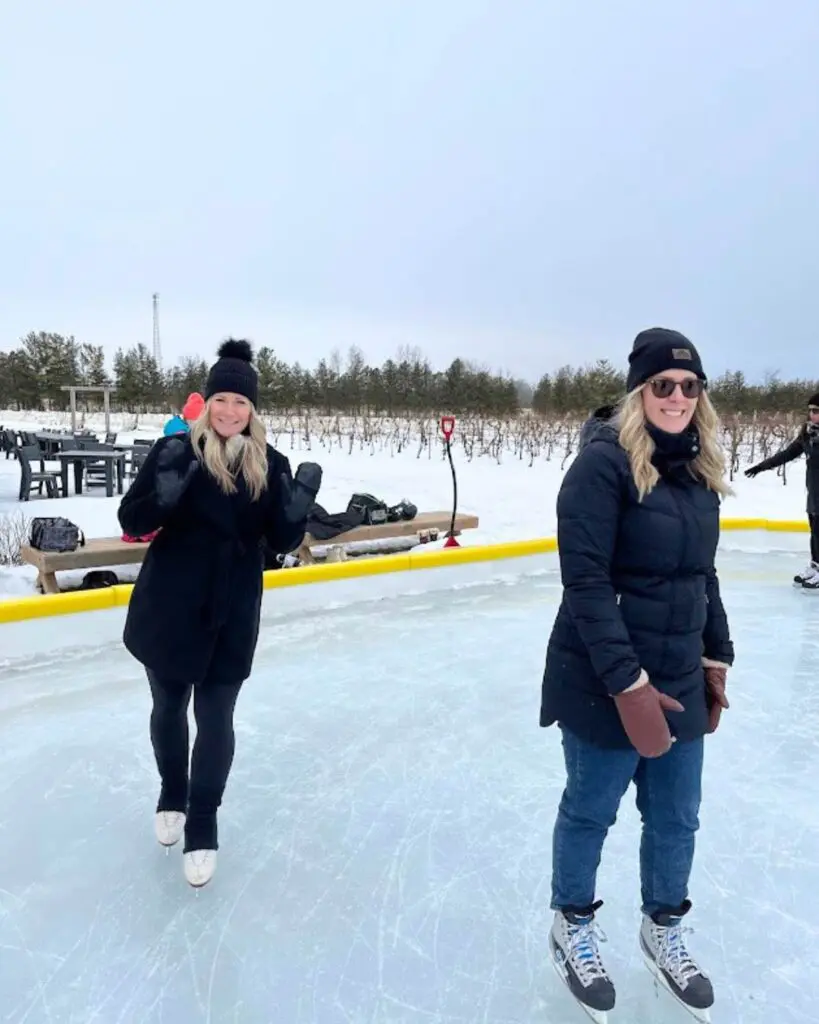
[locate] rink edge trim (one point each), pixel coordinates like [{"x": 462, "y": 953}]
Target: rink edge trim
[{"x": 38, "y": 606}]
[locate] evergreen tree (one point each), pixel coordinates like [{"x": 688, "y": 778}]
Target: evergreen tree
[{"x": 33, "y": 374}]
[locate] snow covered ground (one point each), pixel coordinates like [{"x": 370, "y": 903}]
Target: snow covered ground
[{"x": 514, "y": 501}]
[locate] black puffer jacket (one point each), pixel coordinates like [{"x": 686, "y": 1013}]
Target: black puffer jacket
[
  {"x": 195, "y": 608},
  {"x": 640, "y": 588},
  {"x": 807, "y": 444}
]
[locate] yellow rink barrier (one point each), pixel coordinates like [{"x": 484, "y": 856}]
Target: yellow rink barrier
[
  {"x": 18, "y": 609},
  {"x": 771, "y": 525}
]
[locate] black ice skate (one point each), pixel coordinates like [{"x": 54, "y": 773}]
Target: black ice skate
[
  {"x": 808, "y": 579},
  {"x": 573, "y": 946},
  {"x": 662, "y": 943},
  {"x": 811, "y": 571}
]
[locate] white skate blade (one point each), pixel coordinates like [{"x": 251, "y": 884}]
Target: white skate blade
[
  {"x": 703, "y": 1016},
  {"x": 599, "y": 1016}
]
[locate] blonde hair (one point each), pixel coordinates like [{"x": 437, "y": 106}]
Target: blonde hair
[
  {"x": 224, "y": 459},
  {"x": 630, "y": 420}
]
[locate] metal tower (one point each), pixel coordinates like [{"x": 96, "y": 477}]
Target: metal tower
[{"x": 157, "y": 346}]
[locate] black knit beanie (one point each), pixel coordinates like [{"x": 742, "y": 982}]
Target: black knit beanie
[
  {"x": 814, "y": 400},
  {"x": 233, "y": 371},
  {"x": 658, "y": 349}
]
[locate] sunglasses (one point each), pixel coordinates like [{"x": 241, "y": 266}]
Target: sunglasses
[{"x": 663, "y": 387}]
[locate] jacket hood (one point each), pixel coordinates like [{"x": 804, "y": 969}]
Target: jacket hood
[{"x": 598, "y": 427}]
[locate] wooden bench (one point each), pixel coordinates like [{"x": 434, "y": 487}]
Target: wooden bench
[
  {"x": 424, "y": 522},
  {"x": 97, "y": 552},
  {"x": 105, "y": 551}
]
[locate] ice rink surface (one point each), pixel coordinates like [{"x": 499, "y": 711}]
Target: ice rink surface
[{"x": 386, "y": 830}]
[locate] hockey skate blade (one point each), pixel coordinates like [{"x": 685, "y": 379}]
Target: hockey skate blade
[
  {"x": 599, "y": 1016},
  {"x": 703, "y": 1016}
]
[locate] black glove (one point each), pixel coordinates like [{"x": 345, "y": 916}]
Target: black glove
[
  {"x": 299, "y": 495},
  {"x": 174, "y": 471},
  {"x": 752, "y": 472}
]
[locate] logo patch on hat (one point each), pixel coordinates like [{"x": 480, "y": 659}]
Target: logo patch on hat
[{"x": 680, "y": 353}]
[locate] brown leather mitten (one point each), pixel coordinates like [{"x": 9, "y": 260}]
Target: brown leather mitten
[
  {"x": 715, "y": 678},
  {"x": 641, "y": 712}
]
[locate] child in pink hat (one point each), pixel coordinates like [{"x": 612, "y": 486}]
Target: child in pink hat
[{"x": 191, "y": 410}]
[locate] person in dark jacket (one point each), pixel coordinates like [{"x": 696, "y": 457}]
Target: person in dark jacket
[
  {"x": 215, "y": 495},
  {"x": 637, "y": 658},
  {"x": 807, "y": 444}
]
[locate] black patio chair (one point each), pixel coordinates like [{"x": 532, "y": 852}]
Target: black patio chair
[{"x": 29, "y": 456}]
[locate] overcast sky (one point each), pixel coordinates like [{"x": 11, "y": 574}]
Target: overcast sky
[{"x": 536, "y": 179}]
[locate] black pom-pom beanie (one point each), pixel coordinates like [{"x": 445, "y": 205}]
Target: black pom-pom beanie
[{"x": 234, "y": 371}]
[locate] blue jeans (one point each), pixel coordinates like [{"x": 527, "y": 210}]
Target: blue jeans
[{"x": 668, "y": 798}]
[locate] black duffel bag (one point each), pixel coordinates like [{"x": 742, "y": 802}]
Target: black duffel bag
[
  {"x": 55, "y": 534},
  {"x": 372, "y": 510}
]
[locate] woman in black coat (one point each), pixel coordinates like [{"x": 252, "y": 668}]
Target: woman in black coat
[
  {"x": 215, "y": 496},
  {"x": 637, "y": 658},
  {"x": 807, "y": 444}
]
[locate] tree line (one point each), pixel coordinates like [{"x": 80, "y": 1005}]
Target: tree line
[{"x": 33, "y": 374}]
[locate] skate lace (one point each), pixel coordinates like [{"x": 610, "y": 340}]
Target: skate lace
[
  {"x": 584, "y": 953},
  {"x": 672, "y": 954}
]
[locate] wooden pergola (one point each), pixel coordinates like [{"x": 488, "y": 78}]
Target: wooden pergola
[{"x": 106, "y": 390}]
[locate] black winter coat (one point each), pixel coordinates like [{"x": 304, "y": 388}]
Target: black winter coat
[
  {"x": 807, "y": 444},
  {"x": 640, "y": 591},
  {"x": 195, "y": 608}
]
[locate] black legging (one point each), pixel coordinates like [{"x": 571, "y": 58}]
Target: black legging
[
  {"x": 814, "y": 538},
  {"x": 213, "y": 705}
]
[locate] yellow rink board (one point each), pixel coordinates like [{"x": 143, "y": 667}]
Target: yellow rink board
[{"x": 38, "y": 606}]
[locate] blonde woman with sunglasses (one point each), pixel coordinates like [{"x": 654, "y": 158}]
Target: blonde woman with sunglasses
[{"x": 637, "y": 659}]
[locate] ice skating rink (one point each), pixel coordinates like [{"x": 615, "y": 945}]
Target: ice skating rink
[{"x": 386, "y": 830}]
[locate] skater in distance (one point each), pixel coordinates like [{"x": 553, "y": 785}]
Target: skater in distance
[
  {"x": 806, "y": 443},
  {"x": 193, "y": 620},
  {"x": 636, "y": 663}
]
